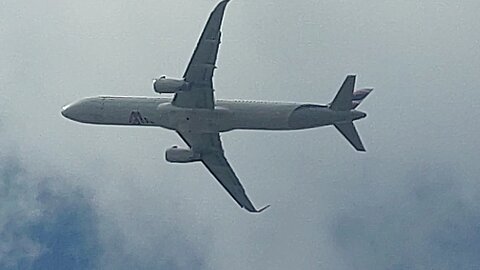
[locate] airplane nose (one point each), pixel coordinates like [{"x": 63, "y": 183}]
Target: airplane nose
[
  {"x": 88, "y": 110},
  {"x": 65, "y": 110},
  {"x": 70, "y": 111}
]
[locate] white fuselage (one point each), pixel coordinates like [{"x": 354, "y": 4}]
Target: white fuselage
[{"x": 227, "y": 115}]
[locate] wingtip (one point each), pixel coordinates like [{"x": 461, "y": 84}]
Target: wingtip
[
  {"x": 253, "y": 210},
  {"x": 360, "y": 148},
  {"x": 261, "y": 209},
  {"x": 264, "y": 208}
]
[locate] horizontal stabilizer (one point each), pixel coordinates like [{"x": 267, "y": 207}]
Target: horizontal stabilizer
[
  {"x": 350, "y": 133},
  {"x": 343, "y": 99},
  {"x": 359, "y": 95}
]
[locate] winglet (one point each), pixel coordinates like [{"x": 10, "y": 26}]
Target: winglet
[{"x": 260, "y": 210}]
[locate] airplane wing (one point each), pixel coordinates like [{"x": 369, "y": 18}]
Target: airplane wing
[
  {"x": 200, "y": 70},
  {"x": 210, "y": 147}
]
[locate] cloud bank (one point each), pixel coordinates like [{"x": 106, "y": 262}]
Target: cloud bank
[
  {"x": 47, "y": 224},
  {"x": 45, "y": 228},
  {"x": 428, "y": 222}
]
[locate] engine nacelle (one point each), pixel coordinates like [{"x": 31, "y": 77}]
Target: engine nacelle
[
  {"x": 181, "y": 155},
  {"x": 169, "y": 85}
]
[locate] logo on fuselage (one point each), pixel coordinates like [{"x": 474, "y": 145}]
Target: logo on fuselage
[{"x": 136, "y": 118}]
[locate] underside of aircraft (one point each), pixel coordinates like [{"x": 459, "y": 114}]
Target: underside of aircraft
[{"x": 198, "y": 118}]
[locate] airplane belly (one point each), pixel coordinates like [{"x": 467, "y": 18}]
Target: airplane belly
[
  {"x": 262, "y": 117},
  {"x": 310, "y": 116},
  {"x": 279, "y": 116},
  {"x": 196, "y": 120}
]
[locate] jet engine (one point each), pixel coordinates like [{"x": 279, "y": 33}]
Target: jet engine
[
  {"x": 181, "y": 155},
  {"x": 169, "y": 85}
]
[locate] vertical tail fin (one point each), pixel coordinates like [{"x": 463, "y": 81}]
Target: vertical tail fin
[
  {"x": 350, "y": 133},
  {"x": 344, "y": 97}
]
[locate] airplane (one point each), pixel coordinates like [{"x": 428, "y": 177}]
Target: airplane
[{"x": 199, "y": 118}]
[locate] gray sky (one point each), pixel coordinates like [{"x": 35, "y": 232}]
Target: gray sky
[{"x": 109, "y": 197}]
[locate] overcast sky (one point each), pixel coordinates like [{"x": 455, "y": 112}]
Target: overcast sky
[{"x": 93, "y": 197}]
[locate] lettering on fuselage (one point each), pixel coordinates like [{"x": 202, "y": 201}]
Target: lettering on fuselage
[{"x": 136, "y": 118}]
